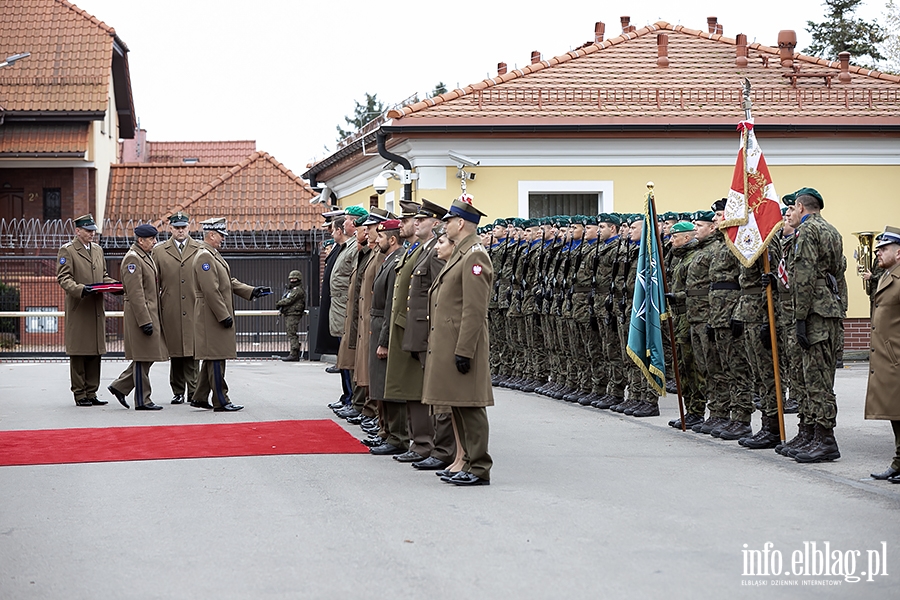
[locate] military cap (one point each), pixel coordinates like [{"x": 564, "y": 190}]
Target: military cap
[
  {"x": 562, "y": 221},
  {"x": 179, "y": 219},
  {"x": 356, "y": 211},
  {"x": 704, "y": 215},
  {"x": 377, "y": 215},
  {"x": 333, "y": 213},
  {"x": 784, "y": 210},
  {"x": 891, "y": 235},
  {"x": 634, "y": 218},
  {"x": 499, "y": 222},
  {"x": 611, "y": 218},
  {"x": 682, "y": 226},
  {"x": 295, "y": 274},
  {"x": 430, "y": 209},
  {"x": 328, "y": 242},
  {"x": 441, "y": 229},
  {"x": 789, "y": 199},
  {"x": 146, "y": 231},
  {"x": 719, "y": 204},
  {"x": 86, "y": 222},
  {"x": 685, "y": 216},
  {"x": 808, "y": 191},
  {"x": 590, "y": 220},
  {"x": 389, "y": 225},
  {"x": 408, "y": 208},
  {"x": 670, "y": 216},
  {"x": 462, "y": 207},
  {"x": 216, "y": 224},
  {"x": 516, "y": 222}
]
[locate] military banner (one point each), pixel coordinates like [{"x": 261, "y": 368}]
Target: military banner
[
  {"x": 648, "y": 309},
  {"x": 752, "y": 214}
]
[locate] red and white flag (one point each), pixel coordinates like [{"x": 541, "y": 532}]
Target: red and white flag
[{"x": 753, "y": 212}]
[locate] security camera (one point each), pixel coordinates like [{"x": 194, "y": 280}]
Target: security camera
[
  {"x": 463, "y": 160},
  {"x": 380, "y": 184}
]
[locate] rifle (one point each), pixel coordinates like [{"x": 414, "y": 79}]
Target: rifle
[
  {"x": 622, "y": 303},
  {"x": 512, "y": 274},
  {"x": 496, "y": 295},
  {"x": 608, "y": 320}
]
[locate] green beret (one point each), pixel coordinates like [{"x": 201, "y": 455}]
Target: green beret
[
  {"x": 633, "y": 218},
  {"x": 808, "y": 191},
  {"x": 789, "y": 199},
  {"x": 612, "y": 218},
  {"x": 784, "y": 211},
  {"x": 579, "y": 220},
  {"x": 685, "y": 216},
  {"x": 562, "y": 221},
  {"x": 518, "y": 223},
  {"x": 682, "y": 226},
  {"x": 590, "y": 220},
  {"x": 500, "y": 223},
  {"x": 356, "y": 211},
  {"x": 704, "y": 215},
  {"x": 670, "y": 216}
]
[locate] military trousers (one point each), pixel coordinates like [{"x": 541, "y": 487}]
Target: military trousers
[
  {"x": 819, "y": 365},
  {"x": 84, "y": 375},
  {"x": 612, "y": 356},
  {"x": 516, "y": 343},
  {"x": 637, "y": 384},
  {"x": 291, "y": 325},
  {"x": 212, "y": 380},
  {"x": 735, "y": 375},
  {"x": 568, "y": 373},
  {"x": 136, "y": 376},
  {"x": 472, "y": 426},
  {"x": 420, "y": 428},
  {"x": 548, "y": 327},
  {"x": 535, "y": 349},
  {"x": 762, "y": 365},
  {"x": 692, "y": 382},
  {"x": 895, "y": 425},
  {"x": 709, "y": 362},
  {"x": 183, "y": 376},
  {"x": 395, "y": 424}
]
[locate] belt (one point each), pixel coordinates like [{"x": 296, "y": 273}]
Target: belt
[
  {"x": 697, "y": 292},
  {"x": 376, "y": 312},
  {"x": 751, "y": 291},
  {"x": 724, "y": 285},
  {"x": 679, "y": 309}
]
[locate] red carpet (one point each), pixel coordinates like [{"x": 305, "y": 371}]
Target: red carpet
[{"x": 110, "y": 444}]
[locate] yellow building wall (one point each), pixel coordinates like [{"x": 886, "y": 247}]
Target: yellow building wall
[{"x": 856, "y": 198}]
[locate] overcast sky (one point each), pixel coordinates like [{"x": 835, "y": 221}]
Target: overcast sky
[{"x": 286, "y": 72}]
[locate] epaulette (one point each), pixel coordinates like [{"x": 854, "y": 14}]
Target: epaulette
[
  {"x": 67, "y": 244},
  {"x": 479, "y": 247}
]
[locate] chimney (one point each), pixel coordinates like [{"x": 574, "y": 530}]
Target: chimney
[
  {"x": 787, "y": 41},
  {"x": 740, "y": 59},
  {"x": 844, "y": 77},
  {"x": 712, "y": 23},
  {"x": 626, "y": 27},
  {"x": 135, "y": 150},
  {"x": 535, "y": 56},
  {"x": 662, "y": 50},
  {"x": 501, "y": 68},
  {"x": 599, "y": 31},
  {"x": 719, "y": 29}
]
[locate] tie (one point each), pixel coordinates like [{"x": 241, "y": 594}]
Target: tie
[{"x": 180, "y": 246}]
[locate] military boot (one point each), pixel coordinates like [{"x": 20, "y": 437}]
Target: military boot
[
  {"x": 646, "y": 409},
  {"x": 790, "y": 406},
  {"x": 608, "y": 401},
  {"x": 736, "y": 431},
  {"x": 628, "y": 404},
  {"x": 768, "y": 435},
  {"x": 824, "y": 447},
  {"x": 707, "y": 426},
  {"x": 804, "y": 436},
  {"x": 722, "y": 426},
  {"x": 588, "y": 399}
]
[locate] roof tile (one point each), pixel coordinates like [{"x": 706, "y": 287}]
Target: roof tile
[{"x": 40, "y": 139}]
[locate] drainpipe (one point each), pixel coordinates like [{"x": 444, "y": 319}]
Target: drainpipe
[{"x": 380, "y": 136}]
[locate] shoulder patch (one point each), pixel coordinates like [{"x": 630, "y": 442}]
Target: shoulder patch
[
  {"x": 476, "y": 269},
  {"x": 205, "y": 266},
  {"x": 131, "y": 267},
  {"x": 62, "y": 260},
  {"x": 479, "y": 247}
]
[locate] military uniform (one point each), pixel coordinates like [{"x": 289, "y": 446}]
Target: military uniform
[
  {"x": 693, "y": 383},
  {"x": 292, "y": 307},
  {"x": 583, "y": 327},
  {"x": 215, "y": 339},
  {"x": 80, "y": 265},
  {"x": 706, "y": 358},
  {"x": 176, "y": 284},
  {"x": 817, "y": 267},
  {"x": 143, "y": 345},
  {"x": 607, "y": 270}
]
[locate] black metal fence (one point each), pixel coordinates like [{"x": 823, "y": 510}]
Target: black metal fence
[{"x": 28, "y": 285}]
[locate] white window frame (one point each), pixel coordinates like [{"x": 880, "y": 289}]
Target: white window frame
[{"x": 603, "y": 189}]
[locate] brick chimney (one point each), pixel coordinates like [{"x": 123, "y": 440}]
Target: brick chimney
[
  {"x": 501, "y": 68},
  {"x": 535, "y": 56},
  {"x": 844, "y": 77},
  {"x": 599, "y": 31},
  {"x": 135, "y": 150},
  {"x": 662, "y": 50},
  {"x": 712, "y": 24},
  {"x": 626, "y": 27},
  {"x": 787, "y": 41},
  {"x": 719, "y": 29},
  {"x": 740, "y": 59}
]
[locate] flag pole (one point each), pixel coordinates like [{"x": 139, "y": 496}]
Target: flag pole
[
  {"x": 747, "y": 104},
  {"x": 665, "y": 283}
]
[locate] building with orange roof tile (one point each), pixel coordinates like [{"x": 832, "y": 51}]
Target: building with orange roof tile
[
  {"x": 62, "y": 110},
  {"x": 661, "y": 103}
]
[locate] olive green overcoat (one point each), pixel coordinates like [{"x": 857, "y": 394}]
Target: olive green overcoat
[
  {"x": 214, "y": 288},
  {"x": 404, "y": 373},
  {"x": 85, "y": 321},
  {"x": 140, "y": 280},
  {"x": 176, "y": 288},
  {"x": 882, "y": 397}
]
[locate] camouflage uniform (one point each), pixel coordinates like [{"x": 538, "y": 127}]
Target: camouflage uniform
[
  {"x": 544, "y": 308},
  {"x": 637, "y": 385},
  {"x": 582, "y": 328},
  {"x": 536, "y": 371},
  {"x": 293, "y": 306},
  {"x": 696, "y": 303},
  {"x": 515, "y": 320},
  {"x": 497, "y": 308},
  {"x": 693, "y": 381},
  {"x": 608, "y": 267}
]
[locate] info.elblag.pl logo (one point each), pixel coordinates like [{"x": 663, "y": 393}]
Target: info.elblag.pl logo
[{"x": 818, "y": 560}]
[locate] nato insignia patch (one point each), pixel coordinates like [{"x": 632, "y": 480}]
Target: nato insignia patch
[
  {"x": 205, "y": 266},
  {"x": 476, "y": 269},
  {"x": 62, "y": 260},
  {"x": 131, "y": 267}
]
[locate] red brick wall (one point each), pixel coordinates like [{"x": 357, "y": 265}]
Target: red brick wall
[
  {"x": 77, "y": 189},
  {"x": 856, "y": 334}
]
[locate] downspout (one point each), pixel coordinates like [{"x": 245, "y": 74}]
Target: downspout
[{"x": 382, "y": 151}]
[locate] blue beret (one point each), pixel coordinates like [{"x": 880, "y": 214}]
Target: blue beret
[{"x": 146, "y": 231}]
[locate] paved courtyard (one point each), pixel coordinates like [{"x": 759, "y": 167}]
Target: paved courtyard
[{"x": 583, "y": 504}]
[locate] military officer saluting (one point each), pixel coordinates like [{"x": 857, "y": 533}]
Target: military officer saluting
[
  {"x": 144, "y": 341},
  {"x": 174, "y": 259},
  {"x": 80, "y": 263},
  {"x": 214, "y": 336}
]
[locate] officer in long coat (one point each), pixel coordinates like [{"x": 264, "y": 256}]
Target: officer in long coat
[
  {"x": 214, "y": 336},
  {"x": 144, "y": 339},
  {"x": 80, "y": 263},
  {"x": 174, "y": 259},
  {"x": 882, "y": 401},
  {"x": 457, "y": 370}
]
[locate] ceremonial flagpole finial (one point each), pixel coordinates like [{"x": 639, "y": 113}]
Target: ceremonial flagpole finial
[{"x": 650, "y": 185}]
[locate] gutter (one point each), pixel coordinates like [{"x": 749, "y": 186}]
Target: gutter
[{"x": 380, "y": 137}]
